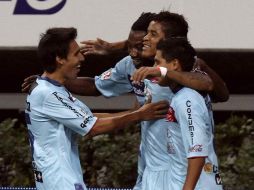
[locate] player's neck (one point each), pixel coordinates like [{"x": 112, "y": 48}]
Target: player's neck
[
  {"x": 55, "y": 76},
  {"x": 175, "y": 87}
]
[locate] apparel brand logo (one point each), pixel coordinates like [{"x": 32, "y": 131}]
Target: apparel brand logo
[{"x": 38, "y": 7}]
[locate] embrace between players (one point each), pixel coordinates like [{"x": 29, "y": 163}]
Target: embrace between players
[{"x": 173, "y": 87}]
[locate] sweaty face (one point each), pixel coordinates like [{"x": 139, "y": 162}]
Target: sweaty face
[
  {"x": 71, "y": 65},
  {"x": 154, "y": 34},
  {"x": 135, "y": 44}
]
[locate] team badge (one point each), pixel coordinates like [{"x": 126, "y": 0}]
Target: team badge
[
  {"x": 171, "y": 115},
  {"x": 196, "y": 148},
  {"x": 208, "y": 167},
  {"x": 106, "y": 75}
]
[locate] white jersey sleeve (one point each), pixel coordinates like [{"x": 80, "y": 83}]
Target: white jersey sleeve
[
  {"x": 72, "y": 115},
  {"x": 191, "y": 114},
  {"x": 116, "y": 81}
]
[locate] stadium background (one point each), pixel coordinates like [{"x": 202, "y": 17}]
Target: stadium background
[{"x": 220, "y": 30}]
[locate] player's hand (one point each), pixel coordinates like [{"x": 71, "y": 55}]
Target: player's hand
[
  {"x": 98, "y": 46},
  {"x": 156, "y": 110},
  {"x": 26, "y": 85},
  {"x": 145, "y": 72},
  {"x": 200, "y": 64}
]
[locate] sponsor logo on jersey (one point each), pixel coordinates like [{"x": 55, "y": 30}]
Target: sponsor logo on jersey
[
  {"x": 170, "y": 144},
  {"x": 189, "y": 118},
  {"x": 37, "y": 174},
  {"x": 138, "y": 88},
  {"x": 78, "y": 186},
  {"x": 171, "y": 115},
  {"x": 86, "y": 120},
  {"x": 196, "y": 148},
  {"x": 67, "y": 105},
  {"x": 218, "y": 179},
  {"x": 171, "y": 148},
  {"x": 106, "y": 75}
]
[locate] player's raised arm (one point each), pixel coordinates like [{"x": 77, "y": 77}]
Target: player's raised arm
[{"x": 102, "y": 47}]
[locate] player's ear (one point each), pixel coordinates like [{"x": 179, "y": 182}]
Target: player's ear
[
  {"x": 176, "y": 64},
  {"x": 60, "y": 60}
]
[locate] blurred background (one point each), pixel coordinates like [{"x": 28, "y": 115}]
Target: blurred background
[{"x": 221, "y": 31}]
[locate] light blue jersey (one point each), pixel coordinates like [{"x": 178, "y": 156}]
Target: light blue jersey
[
  {"x": 159, "y": 143},
  {"x": 193, "y": 113},
  {"x": 54, "y": 119},
  {"x": 116, "y": 81},
  {"x": 165, "y": 141}
]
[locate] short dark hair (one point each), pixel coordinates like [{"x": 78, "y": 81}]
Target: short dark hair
[
  {"x": 142, "y": 23},
  {"x": 174, "y": 25},
  {"x": 55, "y": 42},
  {"x": 178, "y": 48}
]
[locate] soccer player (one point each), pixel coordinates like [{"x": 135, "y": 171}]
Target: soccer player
[
  {"x": 165, "y": 25},
  {"x": 185, "y": 139},
  {"x": 117, "y": 81},
  {"x": 55, "y": 118}
]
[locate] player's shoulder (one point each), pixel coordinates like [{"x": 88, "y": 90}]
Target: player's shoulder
[
  {"x": 42, "y": 89},
  {"x": 125, "y": 65},
  {"x": 126, "y": 62},
  {"x": 187, "y": 95}
]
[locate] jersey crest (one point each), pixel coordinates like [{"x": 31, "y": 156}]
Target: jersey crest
[
  {"x": 106, "y": 75},
  {"x": 171, "y": 115}
]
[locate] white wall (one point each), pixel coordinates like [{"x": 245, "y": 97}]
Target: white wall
[{"x": 213, "y": 23}]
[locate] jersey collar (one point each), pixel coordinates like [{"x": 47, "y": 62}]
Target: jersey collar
[{"x": 54, "y": 82}]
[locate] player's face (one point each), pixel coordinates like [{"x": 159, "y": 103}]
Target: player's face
[
  {"x": 135, "y": 44},
  {"x": 71, "y": 65},
  {"x": 160, "y": 61},
  {"x": 154, "y": 34}
]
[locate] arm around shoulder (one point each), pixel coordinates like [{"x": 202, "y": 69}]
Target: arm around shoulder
[{"x": 219, "y": 92}]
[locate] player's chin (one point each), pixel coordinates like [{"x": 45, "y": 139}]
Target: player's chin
[{"x": 148, "y": 53}]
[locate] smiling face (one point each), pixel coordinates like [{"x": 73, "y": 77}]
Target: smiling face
[
  {"x": 70, "y": 66},
  {"x": 135, "y": 44},
  {"x": 154, "y": 34}
]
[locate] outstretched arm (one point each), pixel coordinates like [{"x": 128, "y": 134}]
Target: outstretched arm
[
  {"x": 220, "y": 91},
  {"x": 83, "y": 86},
  {"x": 102, "y": 47},
  {"x": 148, "y": 111},
  {"x": 192, "y": 80}
]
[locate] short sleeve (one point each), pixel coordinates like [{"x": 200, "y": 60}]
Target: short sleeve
[
  {"x": 115, "y": 81},
  {"x": 191, "y": 115},
  {"x": 74, "y": 116}
]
